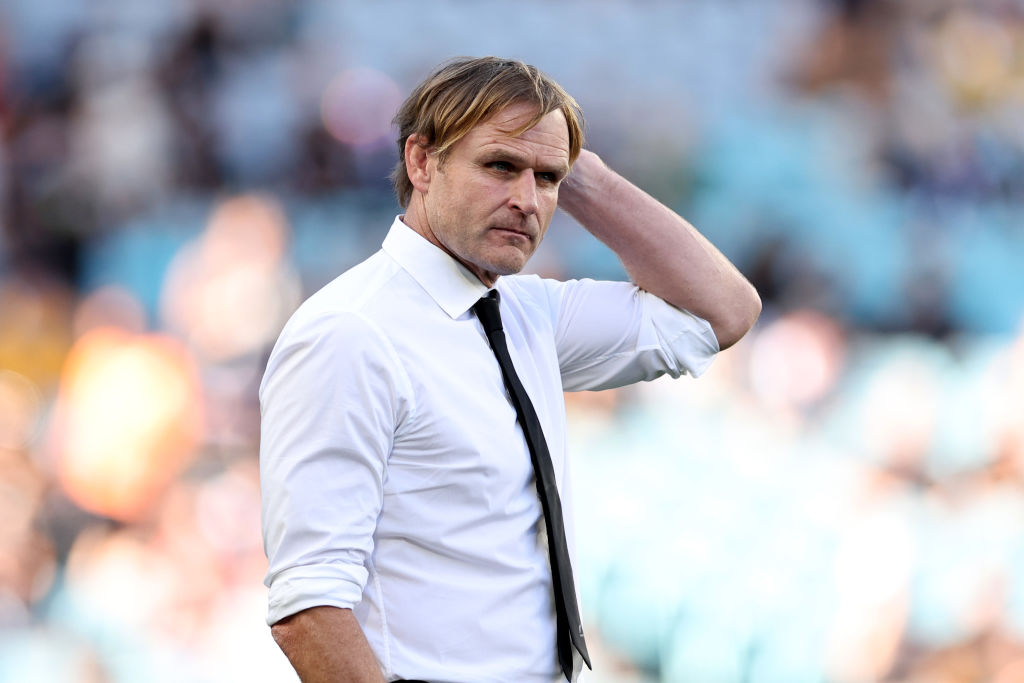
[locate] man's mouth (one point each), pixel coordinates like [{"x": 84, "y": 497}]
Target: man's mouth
[{"x": 513, "y": 231}]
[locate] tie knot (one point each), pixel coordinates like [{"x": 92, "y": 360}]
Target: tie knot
[{"x": 486, "y": 310}]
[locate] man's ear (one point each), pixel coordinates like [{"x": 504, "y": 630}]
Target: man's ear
[{"x": 419, "y": 162}]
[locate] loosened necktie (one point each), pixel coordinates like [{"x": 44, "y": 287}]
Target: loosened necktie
[{"x": 567, "y": 613}]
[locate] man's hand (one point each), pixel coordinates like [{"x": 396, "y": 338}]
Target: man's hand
[
  {"x": 663, "y": 253},
  {"x": 326, "y": 645}
]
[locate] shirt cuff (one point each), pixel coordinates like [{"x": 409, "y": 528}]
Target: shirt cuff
[
  {"x": 299, "y": 588},
  {"x": 690, "y": 339}
]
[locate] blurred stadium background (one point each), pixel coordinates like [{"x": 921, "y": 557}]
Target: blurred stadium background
[{"x": 839, "y": 500}]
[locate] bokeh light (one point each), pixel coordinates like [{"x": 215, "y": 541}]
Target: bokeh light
[
  {"x": 358, "y": 106},
  {"x": 128, "y": 420},
  {"x": 797, "y": 359}
]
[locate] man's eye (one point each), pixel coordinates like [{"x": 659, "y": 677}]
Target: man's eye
[
  {"x": 502, "y": 166},
  {"x": 550, "y": 178}
]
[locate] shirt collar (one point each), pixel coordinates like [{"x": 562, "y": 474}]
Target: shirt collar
[{"x": 448, "y": 282}]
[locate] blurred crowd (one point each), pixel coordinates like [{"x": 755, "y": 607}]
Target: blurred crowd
[{"x": 839, "y": 500}]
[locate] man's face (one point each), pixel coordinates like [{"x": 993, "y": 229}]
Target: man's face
[{"x": 490, "y": 203}]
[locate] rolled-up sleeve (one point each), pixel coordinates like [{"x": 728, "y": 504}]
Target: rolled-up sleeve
[
  {"x": 610, "y": 334},
  {"x": 331, "y": 398}
]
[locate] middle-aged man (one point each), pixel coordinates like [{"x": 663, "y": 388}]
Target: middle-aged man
[{"x": 413, "y": 457}]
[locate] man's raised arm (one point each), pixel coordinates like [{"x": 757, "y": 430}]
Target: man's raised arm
[{"x": 662, "y": 253}]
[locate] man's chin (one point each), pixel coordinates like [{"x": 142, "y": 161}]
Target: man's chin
[
  {"x": 490, "y": 270},
  {"x": 509, "y": 266}
]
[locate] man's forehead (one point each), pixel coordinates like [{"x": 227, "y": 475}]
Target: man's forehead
[
  {"x": 514, "y": 116},
  {"x": 551, "y": 130}
]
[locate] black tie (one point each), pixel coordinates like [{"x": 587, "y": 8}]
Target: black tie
[{"x": 570, "y": 627}]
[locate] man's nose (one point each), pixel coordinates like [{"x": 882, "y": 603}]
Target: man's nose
[{"x": 523, "y": 195}]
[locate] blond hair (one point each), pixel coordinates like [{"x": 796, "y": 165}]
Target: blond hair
[{"x": 466, "y": 91}]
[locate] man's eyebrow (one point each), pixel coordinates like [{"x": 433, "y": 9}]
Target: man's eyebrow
[{"x": 502, "y": 154}]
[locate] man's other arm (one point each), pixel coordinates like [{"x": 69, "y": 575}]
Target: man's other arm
[
  {"x": 661, "y": 251},
  {"x": 331, "y": 398},
  {"x": 326, "y": 645}
]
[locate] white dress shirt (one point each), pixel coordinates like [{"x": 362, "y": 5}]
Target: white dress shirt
[{"x": 396, "y": 480}]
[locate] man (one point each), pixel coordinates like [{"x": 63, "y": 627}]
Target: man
[{"x": 410, "y": 526}]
